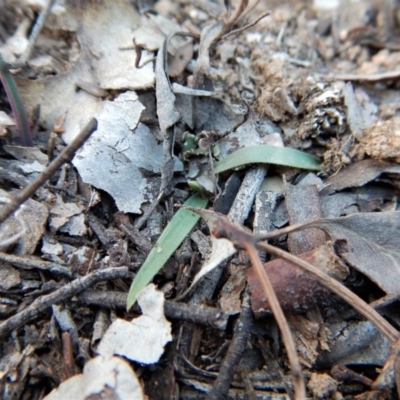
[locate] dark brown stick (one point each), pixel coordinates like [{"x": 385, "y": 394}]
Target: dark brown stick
[
  {"x": 44, "y": 302},
  {"x": 231, "y": 360},
  {"x": 65, "y": 156},
  {"x": 196, "y": 313}
]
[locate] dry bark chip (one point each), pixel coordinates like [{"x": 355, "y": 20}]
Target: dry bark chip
[
  {"x": 9, "y": 276},
  {"x": 303, "y": 204},
  {"x": 322, "y": 385},
  {"x": 361, "y": 112},
  {"x": 354, "y": 343}
]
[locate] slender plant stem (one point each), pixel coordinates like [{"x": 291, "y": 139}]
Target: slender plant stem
[
  {"x": 387, "y": 376},
  {"x": 233, "y": 18},
  {"x": 280, "y": 232},
  {"x": 287, "y": 338},
  {"x": 65, "y": 156},
  {"x": 360, "y": 305}
]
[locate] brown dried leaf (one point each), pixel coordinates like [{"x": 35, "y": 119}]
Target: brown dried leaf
[
  {"x": 230, "y": 297},
  {"x": 201, "y": 69},
  {"x": 359, "y": 173},
  {"x": 296, "y": 290},
  {"x": 371, "y": 244},
  {"x": 166, "y": 112}
]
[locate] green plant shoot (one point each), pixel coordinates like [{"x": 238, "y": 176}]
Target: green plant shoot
[
  {"x": 268, "y": 155},
  {"x": 171, "y": 238}
]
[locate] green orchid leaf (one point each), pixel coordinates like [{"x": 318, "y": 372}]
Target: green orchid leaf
[
  {"x": 171, "y": 238},
  {"x": 17, "y": 106},
  {"x": 269, "y": 155}
]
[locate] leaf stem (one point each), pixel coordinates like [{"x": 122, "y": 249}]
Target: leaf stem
[{"x": 287, "y": 338}]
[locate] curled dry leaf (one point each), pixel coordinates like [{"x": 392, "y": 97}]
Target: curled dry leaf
[
  {"x": 110, "y": 378},
  {"x": 113, "y": 67},
  {"x": 166, "y": 112},
  {"x": 202, "y": 67},
  {"x": 153, "y": 30},
  {"x": 143, "y": 339},
  {"x": 296, "y": 290},
  {"x": 102, "y": 62}
]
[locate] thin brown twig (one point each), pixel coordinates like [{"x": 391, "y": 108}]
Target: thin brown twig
[
  {"x": 249, "y": 25},
  {"x": 387, "y": 376},
  {"x": 249, "y": 10},
  {"x": 360, "y": 305},
  {"x": 287, "y": 338},
  {"x": 280, "y": 232},
  {"x": 65, "y": 156},
  {"x": 44, "y": 302},
  {"x": 232, "y": 20}
]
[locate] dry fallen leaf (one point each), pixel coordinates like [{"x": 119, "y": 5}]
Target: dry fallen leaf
[
  {"x": 110, "y": 378},
  {"x": 143, "y": 339},
  {"x": 122, "y": 150},
  {"x": 358, "y": 174},
  {"x": 27, "y": 226},
  {"x": 66, "y": 215},
  {"x": 296, "y": 290},
  {"x": 103, "y": 62},
  {"x": 113, "y": 66},
  {"x": 370, "y": 243}
]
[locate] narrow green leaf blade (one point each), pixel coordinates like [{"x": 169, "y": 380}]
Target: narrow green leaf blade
[
  {"x": 171, "y": 238},
  {"x": 17, "y": 105},
  {"x": 270, "y": 155}
]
